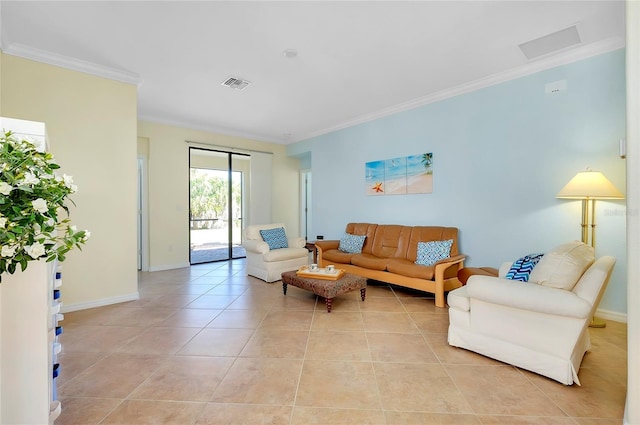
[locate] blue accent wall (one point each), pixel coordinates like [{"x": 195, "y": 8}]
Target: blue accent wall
[{"x": 500, "y": 156}]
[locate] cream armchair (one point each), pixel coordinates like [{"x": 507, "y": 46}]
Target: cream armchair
[
  {"x": 539, "y": 325},
  {"x": 267, "y": 264}
]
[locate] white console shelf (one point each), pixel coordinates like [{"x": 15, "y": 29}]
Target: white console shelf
[{"x": 27, "y": 351}]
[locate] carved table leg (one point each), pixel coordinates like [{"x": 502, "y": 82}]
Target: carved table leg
[
  {"x": 328, "y": 302},
  {"x": 284, "y": 288},
  {"x": 363, "y": 292}
]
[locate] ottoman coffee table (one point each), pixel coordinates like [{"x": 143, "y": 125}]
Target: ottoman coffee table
[{"x": 326, "y": 288}]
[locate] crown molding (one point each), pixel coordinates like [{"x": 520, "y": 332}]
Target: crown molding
[
  {"x": 210, "y": 129},
  {"x": 534, "y": 66},
  {"x": 74, "y": 64}
]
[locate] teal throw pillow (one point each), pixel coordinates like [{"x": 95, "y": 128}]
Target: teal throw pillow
[
  {"x": 351, "y": 244},
  {"x": 431, "y": 252},
  {"x": 275, "y": 238}
]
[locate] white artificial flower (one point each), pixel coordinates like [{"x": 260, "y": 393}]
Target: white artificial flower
[
  {"x": 5, "y": 188},
  {"x": 73, "y": 229},
  {"x": 50, "y": 222},
  {"x": 30, "y": 179},
  {"x": 40, "y": 205},
  {"x": 36, "y": 229},
  {"x": 68, "y": 180},
  {"x": 3, "y": 222},
  {"x": 73, "y": 188},
  {"x": 8, "y": 251},
  {"x": 87, "y": 235},
  {"x": 36, "y": 250}
]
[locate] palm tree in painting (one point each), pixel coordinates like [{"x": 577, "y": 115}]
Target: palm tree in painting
[{"x": 427, "y": 160}]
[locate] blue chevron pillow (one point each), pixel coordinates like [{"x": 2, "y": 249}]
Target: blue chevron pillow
[
  {"x": 275, "y": 238},
  {"x": 522, "y": 267}
]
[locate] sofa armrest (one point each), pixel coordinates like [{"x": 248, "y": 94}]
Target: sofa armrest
[
  {"x": 255, "y": 245},
  {"x": 296, "y": 242},
  {"x": 440, "y": 267},
  {"x": 527, "y": 296},
  {"x": 327, "y": 244}
]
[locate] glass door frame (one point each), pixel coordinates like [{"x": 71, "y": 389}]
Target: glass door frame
[{"x": 230, "y": 181}]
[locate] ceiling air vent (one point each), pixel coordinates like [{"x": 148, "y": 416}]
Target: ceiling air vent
[
  {"x": 236, "y": 83},
  {"x": 551, "y": 43}
]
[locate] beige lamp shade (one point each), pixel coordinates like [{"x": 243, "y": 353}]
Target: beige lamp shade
[{"x": 590, "y": 185}]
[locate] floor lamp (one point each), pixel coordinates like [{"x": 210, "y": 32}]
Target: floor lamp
[{"x": 589, "y": 186}]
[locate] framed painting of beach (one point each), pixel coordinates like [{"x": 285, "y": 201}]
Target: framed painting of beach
[
  {"x": 395, "y": 176},
  {"x": 400, "y": 176},
  {"x": 420, "y": 173},
  {"x": 374, "y": 178}
]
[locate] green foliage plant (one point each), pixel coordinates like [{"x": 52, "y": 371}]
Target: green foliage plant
[{"x": 34, "y": 215}]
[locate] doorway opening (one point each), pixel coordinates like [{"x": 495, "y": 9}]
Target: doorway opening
[
  {"x": 306, "y": 222},
  {"x": 216, "y": 204}
]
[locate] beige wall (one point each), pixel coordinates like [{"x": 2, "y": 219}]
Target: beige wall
[
  {"x": 168, "y": 171},
  {"x": 91, "y": 126}
]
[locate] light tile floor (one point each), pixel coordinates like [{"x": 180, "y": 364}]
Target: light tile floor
[{"x": 209, "y": 345}]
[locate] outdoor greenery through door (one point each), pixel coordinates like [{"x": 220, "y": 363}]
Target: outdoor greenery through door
[{"x": 215, "y": 192}]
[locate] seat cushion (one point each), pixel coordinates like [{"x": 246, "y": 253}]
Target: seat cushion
[
  {"x": 369, "y": 261},
  {"x": 335, "y": 256},
  {"x": 410, "y": 269},
  {"x": 563, "y": 265},
  {"x": 285, "y": 254}
]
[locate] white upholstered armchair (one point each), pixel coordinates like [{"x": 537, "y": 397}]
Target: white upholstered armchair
[
  {"x": 540, "y": 325},
  {"x": 268, "y": 264}
]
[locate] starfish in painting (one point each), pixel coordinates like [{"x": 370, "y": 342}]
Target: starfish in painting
[{"x": 377, "y": 187}]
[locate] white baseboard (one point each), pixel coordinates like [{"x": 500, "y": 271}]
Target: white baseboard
[
  {"x": 168, "y": 267},
  {"x": 100, "y": 303},
  {"x": 611, "y": 315}
]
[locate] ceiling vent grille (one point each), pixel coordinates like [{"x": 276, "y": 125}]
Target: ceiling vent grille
[
  {"x": 551, "y": 43},
  {"x": 236, "y": 83}
]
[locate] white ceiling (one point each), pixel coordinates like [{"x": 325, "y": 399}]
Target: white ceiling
[{"x": 356, "y": 60}]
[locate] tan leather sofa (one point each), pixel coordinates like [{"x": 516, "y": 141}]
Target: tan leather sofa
[{"x": 389, "y": 254}]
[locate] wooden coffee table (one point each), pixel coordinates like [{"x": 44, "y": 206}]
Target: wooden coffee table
[{"x": 328, "y": 289}]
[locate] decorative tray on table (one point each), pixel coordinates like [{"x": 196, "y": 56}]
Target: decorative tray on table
[{"x": 320, "y": 273}]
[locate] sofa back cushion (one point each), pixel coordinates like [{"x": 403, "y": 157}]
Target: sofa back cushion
[
  {"x": 431, "y": 233},
  {"x": 253, "y": 232},
  {"x": 391, "y": 241},
  {"x": 367, "y": 229},
  {"x": 563, "y": 265}
]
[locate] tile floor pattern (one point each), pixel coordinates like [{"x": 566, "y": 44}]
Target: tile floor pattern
[{"x": 209, "y": 345}]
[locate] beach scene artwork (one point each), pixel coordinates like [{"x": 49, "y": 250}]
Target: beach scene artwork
[
  {"x": 374, "y": 178},
  {"x": 399, "y": 176}
]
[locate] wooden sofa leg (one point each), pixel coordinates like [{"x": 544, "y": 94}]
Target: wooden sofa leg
[{"x": 440, "y": 301}]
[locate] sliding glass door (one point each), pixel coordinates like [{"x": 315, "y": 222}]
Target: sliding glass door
[{"x": 216, "y": 189}]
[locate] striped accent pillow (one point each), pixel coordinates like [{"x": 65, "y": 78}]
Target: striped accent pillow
[{"x": 522, "y": 267}]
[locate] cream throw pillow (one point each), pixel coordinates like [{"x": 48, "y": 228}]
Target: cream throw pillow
[{"x": 563, "y": 266}]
